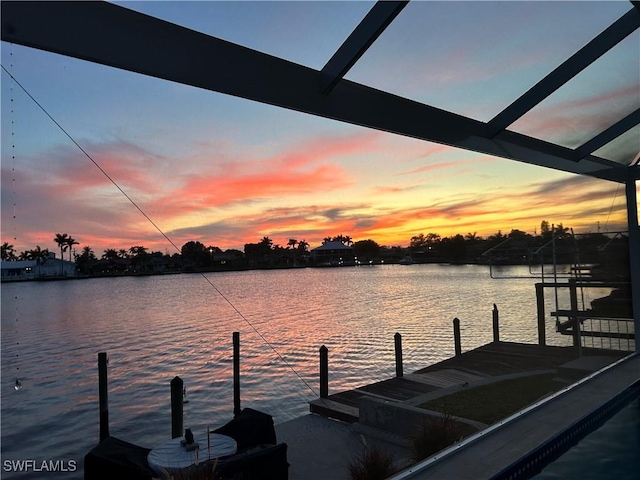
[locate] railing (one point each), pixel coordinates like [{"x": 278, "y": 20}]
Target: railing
[
  {"x": 613, "y": 333},
  {"x": 601, "y": 329}
]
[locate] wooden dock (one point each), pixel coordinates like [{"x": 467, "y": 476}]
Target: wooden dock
[{"x": 481, "y": 364}]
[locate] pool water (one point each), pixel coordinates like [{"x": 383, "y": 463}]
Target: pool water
[{"x": 610, "y": 452}]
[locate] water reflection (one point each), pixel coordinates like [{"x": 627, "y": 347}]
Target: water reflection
[{"x": 157, "y": 327}]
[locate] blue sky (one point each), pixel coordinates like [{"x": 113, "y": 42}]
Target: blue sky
[{"x": 227, "y": 171}]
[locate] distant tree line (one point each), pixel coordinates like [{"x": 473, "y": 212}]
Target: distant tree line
[{"x": 517, "y": 247}]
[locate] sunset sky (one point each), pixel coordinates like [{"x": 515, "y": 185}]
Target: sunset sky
[{"x": 226, "y": 171}]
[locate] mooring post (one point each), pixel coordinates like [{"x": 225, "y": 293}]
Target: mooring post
[
  {"x": 236, "y": 373},
  {"x": 456, "y": 336},
  {"x": 103, "y": 390},
  {"x": 324, "y": 372},
  {"x": 573, "y": 298},
  {"x": 398, "y": 344},
  {"x": 496, "y": 324},
  {"x": 542, "y": 336},
  {"x": 176, "y": 407}
]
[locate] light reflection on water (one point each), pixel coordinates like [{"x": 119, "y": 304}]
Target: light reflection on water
[{"x": 154, "y": 328}]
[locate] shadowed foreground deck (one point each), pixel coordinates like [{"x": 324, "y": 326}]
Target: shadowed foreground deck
[
  {"x": 518, "y": 448},
  {"x": 477, "y": 366}
]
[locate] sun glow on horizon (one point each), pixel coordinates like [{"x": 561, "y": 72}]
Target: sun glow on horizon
[{"x": 226, "y": 171}]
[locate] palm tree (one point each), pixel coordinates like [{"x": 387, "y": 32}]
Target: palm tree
[
  {"x": 63, "y": 242},
  {"x": 70, "y": 243},
  {"x": 348, "y": 240},
  {"x": 292, "y": 243},
  {"x": 265, "y": 246},
  {"x": 266, "y": 241},
  {"x": 139, "y": 255},
  {"x": 8, "y": 253},
  {"x": 36, "y": 254},
  {"x": 303, "y": 245},
  {"x": 471, "y": 237},
  {"x": 86, "y": 260},
  {"x": 110, "y": 254}
]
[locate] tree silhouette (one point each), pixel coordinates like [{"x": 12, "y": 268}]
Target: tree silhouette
[
  {"x": 366, "y": 249},
  {"x": 62, "y": 239},
  {"x": 35, "y": 254},
  {"x": 266, "y": 242},
  {"x": 8, "y": 253},
  {"x": 70, "y": 243},
  {"x": 86, "y": 260},
  {"x": 110, "y": 254},
  {"x": 471, "y": 237},
  {"x": 139, "y": 256}
]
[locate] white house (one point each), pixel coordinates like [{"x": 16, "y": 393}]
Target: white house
[{"x": 48, "y": 268}]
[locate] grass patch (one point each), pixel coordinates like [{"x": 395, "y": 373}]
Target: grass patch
[{"x": 491, "y": 403}]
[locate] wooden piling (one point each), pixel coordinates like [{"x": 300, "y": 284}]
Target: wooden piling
[
  {"x": 496, "y": 324},
  {"x": 324, "y": 372},
  {"x": 103, "y": 395},
  {"x": 236, "y": 373},
  {"x": 575, "y": 321},
  {"x": 176, "y": 407},
  {"x": 456, "y": 336},
  {"x": 397, "y": 338},
  {"x": 542, "y": 335}
]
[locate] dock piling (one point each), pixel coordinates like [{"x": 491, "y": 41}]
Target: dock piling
[
  {"x": 398, "y": 347},
  {"x": 496, "y": 324},
  {"x": 575, "y": 321},
  {"x": 103, "y": 395},
  {"x": 176, "y": 407},
  {"x": 456, "y": 336},
  {"x": 324, "y": 372},
  {"x": 236, "y": 373},
  {"x": 542, "y": 336}
]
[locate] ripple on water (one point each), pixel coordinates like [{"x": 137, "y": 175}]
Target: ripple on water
[{"x": 157, "y": 327}]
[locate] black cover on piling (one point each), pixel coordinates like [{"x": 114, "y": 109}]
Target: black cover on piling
[
  {"x": 114, "y": 458},
  {"x": 250, "y": 428}
]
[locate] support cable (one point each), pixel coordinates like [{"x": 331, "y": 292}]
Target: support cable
[{"x": 164, "y": 235}]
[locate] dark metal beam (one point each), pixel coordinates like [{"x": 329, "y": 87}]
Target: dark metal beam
[
  {"x": 584, "y": 57},
  {"x": 111, "y": 35},
  {"x": 362, "y": 37},
  {"x": 608, "y": 135}
]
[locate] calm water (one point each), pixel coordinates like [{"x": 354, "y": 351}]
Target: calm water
[
  {"x": 154, "y": 328},
  {"x": 609, "y": 452}
]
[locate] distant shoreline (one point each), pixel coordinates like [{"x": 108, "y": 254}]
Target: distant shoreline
[{"x": 236, "y": 269}]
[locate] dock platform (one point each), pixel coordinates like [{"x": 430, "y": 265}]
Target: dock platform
[
  {"x": 322, "y": 443},
  {"x": 475, "y": 367}
]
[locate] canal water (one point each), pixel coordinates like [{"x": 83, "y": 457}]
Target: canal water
[{"x": 154, "y": 328}]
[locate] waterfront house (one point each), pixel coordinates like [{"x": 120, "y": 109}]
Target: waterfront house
[
  {"x": 41, "y": 269},
  {"x": 332, "y": 254}
]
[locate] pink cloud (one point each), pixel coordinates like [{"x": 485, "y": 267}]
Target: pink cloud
[
  {"x": 450, "y": 164},
  {"x": 569, "y": 120}
]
